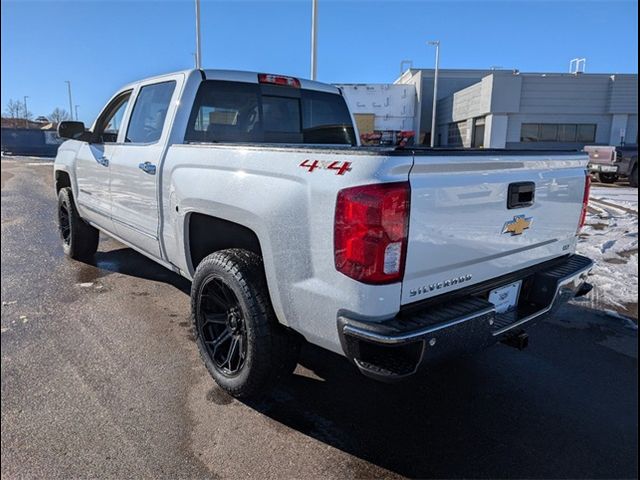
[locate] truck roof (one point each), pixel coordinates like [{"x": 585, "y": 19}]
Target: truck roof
[{"x": 240, "y": 76}]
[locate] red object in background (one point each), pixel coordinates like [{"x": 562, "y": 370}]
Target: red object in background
[{"x": 399, "y": 138}]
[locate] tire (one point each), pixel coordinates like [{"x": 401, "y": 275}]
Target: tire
[
  {"x": 607, "y": 177},
  {"x": 230, "y": 306},
  {"x": 79, "y": 239},
  {"x": 633, "y": 178}
]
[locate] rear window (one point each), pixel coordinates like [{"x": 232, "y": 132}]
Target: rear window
[{"x": 234, "y": 112}]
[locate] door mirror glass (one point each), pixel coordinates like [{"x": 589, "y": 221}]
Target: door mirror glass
[{"x": 72, "y": 130}]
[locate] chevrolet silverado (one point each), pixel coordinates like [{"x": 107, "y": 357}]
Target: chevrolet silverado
[{"x": 254, "y": 187}]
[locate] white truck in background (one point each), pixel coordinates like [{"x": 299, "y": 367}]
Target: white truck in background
[{"x": 254, "y": 187}]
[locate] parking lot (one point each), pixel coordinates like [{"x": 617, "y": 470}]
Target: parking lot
[{"x": 101, "y": 377}]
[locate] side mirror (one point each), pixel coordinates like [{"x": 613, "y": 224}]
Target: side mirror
[{"x": 72, "y": 130}]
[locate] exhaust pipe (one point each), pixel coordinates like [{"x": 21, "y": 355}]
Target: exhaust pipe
[
  {"x": 518, "y": 340},
  {"x": 584, "y": 289}
]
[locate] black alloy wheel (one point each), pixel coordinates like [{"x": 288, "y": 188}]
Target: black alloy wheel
[
  {"x": 244, "y": 347},
  {"x": 222, "y": 327}
]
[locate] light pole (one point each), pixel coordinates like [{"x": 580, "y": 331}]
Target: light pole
[
  {"x": 26, "y": 112},
  {"x": 436, "y": 43},
  {"x": 77, "y": 112},
  {"x": 198, "y": 52},
  {"x": 68, "y": 82},
  {"x": 314, "y": 38}
]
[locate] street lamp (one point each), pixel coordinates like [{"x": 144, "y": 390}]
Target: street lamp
[
  {"x": 26, "y": 112},
  {"x": 435, "y": 43},
  {"x": 198, "y": 52},
  {"x": 77, "y": 112},
  {"x": 68, "y": 82},
  {"x": 314, "y": 39}
]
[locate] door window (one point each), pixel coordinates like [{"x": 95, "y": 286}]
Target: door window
[
  {"x": 110, "y": 121},
  {"x": 149, "y": 113}
]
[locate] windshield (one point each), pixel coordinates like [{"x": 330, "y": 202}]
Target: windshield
[{"x": 236, "y": 112}]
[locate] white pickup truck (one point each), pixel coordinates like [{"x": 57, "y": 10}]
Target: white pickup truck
[{"x": 254, "y": 187}]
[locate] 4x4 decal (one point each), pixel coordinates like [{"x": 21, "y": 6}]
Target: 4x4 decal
[{"x": 340, "y": 167}]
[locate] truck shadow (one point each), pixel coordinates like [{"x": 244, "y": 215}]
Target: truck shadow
[
  {"x": 432, "y": 426},
  {"x": 129, "y": 262},
  {"x": 565, "y": 407},
  {"x": 501, "y": 413}
]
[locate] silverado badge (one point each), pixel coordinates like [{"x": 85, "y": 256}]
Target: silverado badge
[{"x": 518, "y": 225}]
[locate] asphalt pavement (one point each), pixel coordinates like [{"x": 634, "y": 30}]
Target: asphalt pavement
[{"x": 101, "y": 378}]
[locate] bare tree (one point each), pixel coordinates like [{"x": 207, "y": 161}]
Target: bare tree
[
  {"x": 59, "y": 115},
  {"x": 14, "y": 109}
]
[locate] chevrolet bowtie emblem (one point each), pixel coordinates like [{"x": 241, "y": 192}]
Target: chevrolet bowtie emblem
[{"x": 518, "y": 225}]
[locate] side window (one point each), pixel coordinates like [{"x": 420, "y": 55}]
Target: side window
[
  {"x": 110, "y": 121},
  {"x": 149, "y": 113}
]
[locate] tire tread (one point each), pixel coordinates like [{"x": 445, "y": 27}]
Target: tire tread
[
  {"x": 84, "y": 237},
  {"x": 278, "y": 348}
]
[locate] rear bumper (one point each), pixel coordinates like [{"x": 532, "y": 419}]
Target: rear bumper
[
  {"x": 398, "y": 347},
  {"x": 603, "y": 168}
]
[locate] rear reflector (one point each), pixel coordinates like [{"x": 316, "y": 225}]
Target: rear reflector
[
  {"x": 278, "y": 80},
  {"x": 585, "y": 202},
  {"x": 370, "y": 236}
]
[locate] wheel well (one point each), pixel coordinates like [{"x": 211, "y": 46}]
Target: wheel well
[
  {"x": 209, "y": 234},
  {"x": 62, "y": 180}
]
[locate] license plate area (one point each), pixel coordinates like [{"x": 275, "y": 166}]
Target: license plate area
[{"x": 505, "y": 298}]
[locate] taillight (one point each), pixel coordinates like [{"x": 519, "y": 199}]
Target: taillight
[
  {"x": 278, "y": 80},
  {"x": 585, "y": 202},
  {"x": 370, "y": 237}
]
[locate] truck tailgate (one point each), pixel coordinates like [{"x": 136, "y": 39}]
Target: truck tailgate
[{"x": 462, "y": 230}]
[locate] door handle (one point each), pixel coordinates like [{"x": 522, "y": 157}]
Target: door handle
[
  {"x": 104, "y": 161},
  {"x": 147, "y": 167}
]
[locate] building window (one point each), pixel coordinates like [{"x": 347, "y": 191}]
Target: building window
[
  {"x": 457, "y": 134},
  {"x": 567, "y": 133},
  {"x": 558, "y": 132},
  {"x": 478, "y": 132},
  {"x": 529, "y": 132},
  {"x": 548, "y": 132},
  {"x": 586, "y": 133}
]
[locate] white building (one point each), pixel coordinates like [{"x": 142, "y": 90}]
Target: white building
[{"x": 504, "y": 108}]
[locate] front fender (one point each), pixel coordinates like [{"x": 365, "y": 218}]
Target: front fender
[{"x": 65, "y": 161}]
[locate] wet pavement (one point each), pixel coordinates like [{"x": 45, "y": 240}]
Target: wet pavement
[{"x": 101, "y": 377}]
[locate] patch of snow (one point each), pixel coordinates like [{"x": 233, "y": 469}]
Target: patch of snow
[
  {"x": 610, "y": 238},
  {"x": 625, "y": 197}
]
